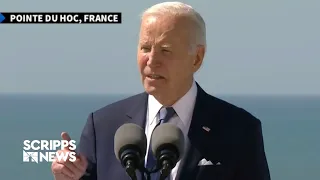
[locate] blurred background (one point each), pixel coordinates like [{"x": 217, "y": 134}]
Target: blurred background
[{"x": 262, "y": 56}]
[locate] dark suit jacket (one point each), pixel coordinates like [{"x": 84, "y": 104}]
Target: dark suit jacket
[{"x": 235, "y": 140}]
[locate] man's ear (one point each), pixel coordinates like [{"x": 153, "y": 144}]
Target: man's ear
[{"x": 200, "y": 52}]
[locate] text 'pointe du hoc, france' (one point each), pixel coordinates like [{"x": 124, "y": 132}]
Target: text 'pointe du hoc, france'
[{"x": 61, "y": 18}]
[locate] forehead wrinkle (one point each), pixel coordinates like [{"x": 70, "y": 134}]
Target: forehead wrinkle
[
  {"x": 162, "y": 39},
  {"x": 157, "y": 27},
  {"x": 163, "y": 31}
]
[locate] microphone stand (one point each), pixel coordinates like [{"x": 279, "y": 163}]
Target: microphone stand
[
  {"x": 130, "y": 169},
  {"x": 165, "y": 170}
]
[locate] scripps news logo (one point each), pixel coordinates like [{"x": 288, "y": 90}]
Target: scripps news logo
[{"x": 36, "y": 151}]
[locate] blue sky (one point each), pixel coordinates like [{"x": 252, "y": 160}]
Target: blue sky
[{"x": 254, "y": 47}]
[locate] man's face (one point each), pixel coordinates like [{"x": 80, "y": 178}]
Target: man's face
[{"x": 164, "y": 58}]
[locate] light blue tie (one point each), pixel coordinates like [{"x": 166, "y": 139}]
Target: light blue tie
[{"x": 151, "y": 161}]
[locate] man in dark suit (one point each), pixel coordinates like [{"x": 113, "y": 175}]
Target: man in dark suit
[{"x": 223, "y": 142}]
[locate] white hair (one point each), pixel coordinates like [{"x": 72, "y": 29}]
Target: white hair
[{"x": 179, "y": 8}]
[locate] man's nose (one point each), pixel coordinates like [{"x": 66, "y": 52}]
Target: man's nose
[{"x": 153, "y": 58}]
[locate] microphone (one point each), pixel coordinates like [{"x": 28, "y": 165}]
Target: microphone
[
  {"x": 130, "y": 144},
  {"x": 168, "y": 147}
]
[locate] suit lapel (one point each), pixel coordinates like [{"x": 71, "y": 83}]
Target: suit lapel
[
  {"x": 137, "y": 114},
  {"x": 204, "y": 126}
]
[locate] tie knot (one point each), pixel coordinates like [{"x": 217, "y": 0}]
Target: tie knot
[{"x": 168, "y": 113}]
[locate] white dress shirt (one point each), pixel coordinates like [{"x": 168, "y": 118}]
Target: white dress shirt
[{"x": 184, "y": 111}]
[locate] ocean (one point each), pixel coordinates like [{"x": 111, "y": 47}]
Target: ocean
[{"x": 291, "y": 129}]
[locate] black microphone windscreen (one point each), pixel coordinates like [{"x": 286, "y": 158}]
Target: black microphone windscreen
[
  {"x": 167, "y": 134},
  {"x": 130, "y": 135}
]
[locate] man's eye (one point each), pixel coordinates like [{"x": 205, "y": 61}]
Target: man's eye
[
  {"x": 145, "y": 48},
  {"x": 166, "y": 50}
]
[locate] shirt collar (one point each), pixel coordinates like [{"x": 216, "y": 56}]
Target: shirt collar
[
  {"x": 183, "y": 107},
  {"x": 153, "y": 108}
]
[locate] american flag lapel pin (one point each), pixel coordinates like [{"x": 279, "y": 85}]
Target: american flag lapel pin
[{"x": 206, "y": 128}]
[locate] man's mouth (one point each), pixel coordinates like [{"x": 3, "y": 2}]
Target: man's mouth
[{"x": 155, "y": 76}]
